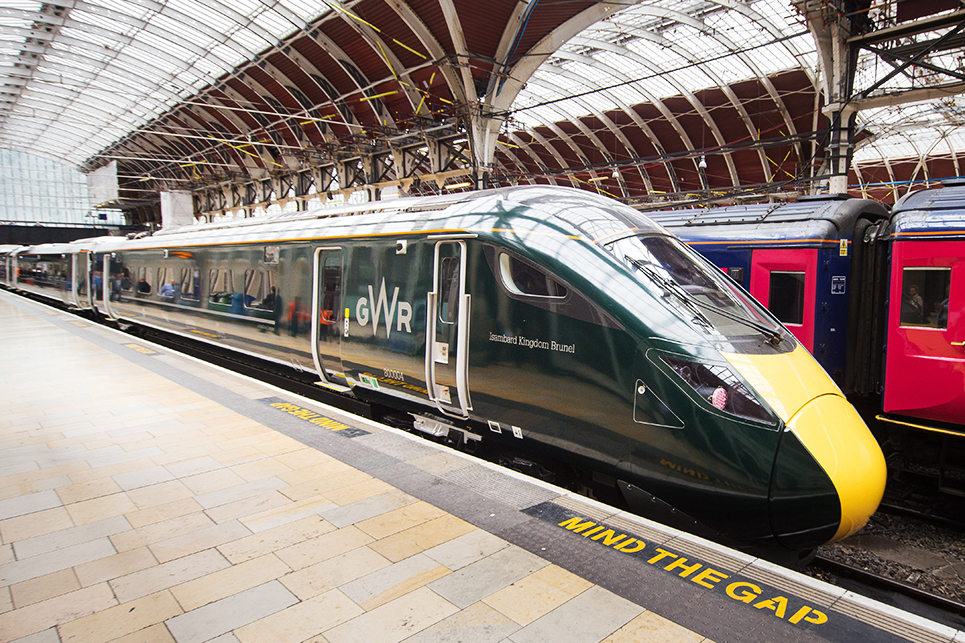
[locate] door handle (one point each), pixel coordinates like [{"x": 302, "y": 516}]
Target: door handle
[{"x": 958, "y": 343}]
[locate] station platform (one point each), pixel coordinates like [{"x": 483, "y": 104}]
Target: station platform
[{"x": 148, "y": 497}]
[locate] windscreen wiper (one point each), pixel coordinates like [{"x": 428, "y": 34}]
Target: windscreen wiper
[
  {"x": 773, "y": 336},
  {"x": 668, "y": 287}
]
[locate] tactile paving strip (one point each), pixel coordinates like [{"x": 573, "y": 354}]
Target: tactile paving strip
[
  {"x": 868, "y": 611},
  {"x": 596, "y": 513},
  {"x": 822, "y": 595}
]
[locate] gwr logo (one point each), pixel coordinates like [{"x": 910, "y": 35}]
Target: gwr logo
[{"x": 364, "y": 309}]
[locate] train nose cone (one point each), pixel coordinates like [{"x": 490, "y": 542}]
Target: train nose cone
[{"x": 829, "y": 474}]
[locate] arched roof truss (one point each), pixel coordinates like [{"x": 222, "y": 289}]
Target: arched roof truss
[{"x": 655, "y": 100}]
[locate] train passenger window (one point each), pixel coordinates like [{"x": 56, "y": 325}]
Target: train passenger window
[
  {"x": 143, "y": 281},
  {"x": 221, "y": 286},
  {"x": 449, "y": 297},
  {"x": 127, "y": 283},
  {"x": 260, "y": 289},
  {"x": 786, "y": 296},
  {"x": 168, "y": 285},
  {"x": 525, "y": 279},
  {"x": 190, "y": 283},
  {"x": 924, "y": 297}
]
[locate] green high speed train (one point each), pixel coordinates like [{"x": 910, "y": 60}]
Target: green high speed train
[{"x": 558, "y": 327}]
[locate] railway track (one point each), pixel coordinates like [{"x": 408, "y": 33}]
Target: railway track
[{"x": 897, "y": 593}]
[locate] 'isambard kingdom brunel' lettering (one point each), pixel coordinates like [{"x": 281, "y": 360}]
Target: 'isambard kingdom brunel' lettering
[
  {"x": 703, "y": 575},
  {"x": 519, "y": 340}
]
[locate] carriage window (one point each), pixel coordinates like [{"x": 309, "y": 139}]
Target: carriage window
[
  {"x": 449, "y": 297},
  {"x": 143, "y": 281},
  {"x": 260, "y": 289},
  {"x": 127, "y": 282},
  {"x": 190, "y": 283},
  {"x": 167, "y": 284},
  {"x": 786, "y": 296},
  {"x": 523, "y": 279},
  {"x": 221, "y": 285},
  {"x": 924, "y": 297}
]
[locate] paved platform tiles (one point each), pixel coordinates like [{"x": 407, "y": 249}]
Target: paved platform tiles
[{"x": 147, "y": 498}]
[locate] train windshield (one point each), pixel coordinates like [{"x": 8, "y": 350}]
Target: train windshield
[{"x": 710, "y": 301}]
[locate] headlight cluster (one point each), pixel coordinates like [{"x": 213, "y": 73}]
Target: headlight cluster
[{"x": 721, "y": 387}]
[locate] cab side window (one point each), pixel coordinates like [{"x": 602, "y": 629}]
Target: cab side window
[
  {"x": 924, "y": 297},
  {"x": 538, "y": 287},
  {"x": 522, "y": 278}
]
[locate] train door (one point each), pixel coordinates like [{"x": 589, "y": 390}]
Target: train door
[
  {"x": 785, "y": 282},
  {"x": 447, "y": 331},
  {"x": 110, "y": 290},
  {"x": 327, "y": 317},
  {"x": 925, "y": 359},
  {"x": 82, "y": 297},
  {"x": 62, "y": 275}
]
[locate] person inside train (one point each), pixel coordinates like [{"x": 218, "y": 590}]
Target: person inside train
[
  {"x": 912, "y": 306},
  {"x": 237, "y": 301},
  {"x": 294, "y": 316},
  {"x": 277, "y": 306},
  {"x": 167, "y": 291},
  {"x": 143, "y": 287},
  {"x": 268, "y": 303}
]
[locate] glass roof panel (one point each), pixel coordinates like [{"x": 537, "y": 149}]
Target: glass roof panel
[
  {"x": 122, "y": 6},
  {"x": 101, "y": 21},
  {"x": 678, "y": 48},
  {"x": 273, "y": 22},
  {"x": 207, "y": 67},
  {"x": 249, "y": 40},
  {"x": 200, "y": 12},
  {"x": 191, "y": 31},
  {"x": 907, "y": 130},
  {"x": 307, "y": 10},
  {"x": 247, "y": 8},
  {"x": 129, "y": 85},
  {"x": 152, "y": 41},
  {"x": 89, "y": 37},
  {"x": 647, "y": 51},
  {"x": 20, "y": 5},
  {"x": 228, "y": 53}
]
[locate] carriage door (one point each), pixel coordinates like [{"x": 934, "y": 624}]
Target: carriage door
[
  {"x": 82, "y": 279},
  {"x": 925, "y": 359},
  {"x": 327, "y": 316},
  {"x": 785, "y": 282},
  {"x": 447, "y": 331}
]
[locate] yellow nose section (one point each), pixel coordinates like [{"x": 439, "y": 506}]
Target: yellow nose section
[
  {"x": 836, "y": 436},
  {"x": 796, "y": 387},
  {"x": 786, "y": 381}
]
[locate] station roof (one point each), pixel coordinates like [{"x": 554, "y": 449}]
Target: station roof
[{"x": 632, "y": 99}]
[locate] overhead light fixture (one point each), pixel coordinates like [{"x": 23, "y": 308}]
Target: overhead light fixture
[
  {"x": 703, "y": 162},
  {"x": 616, "y": 173}
]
